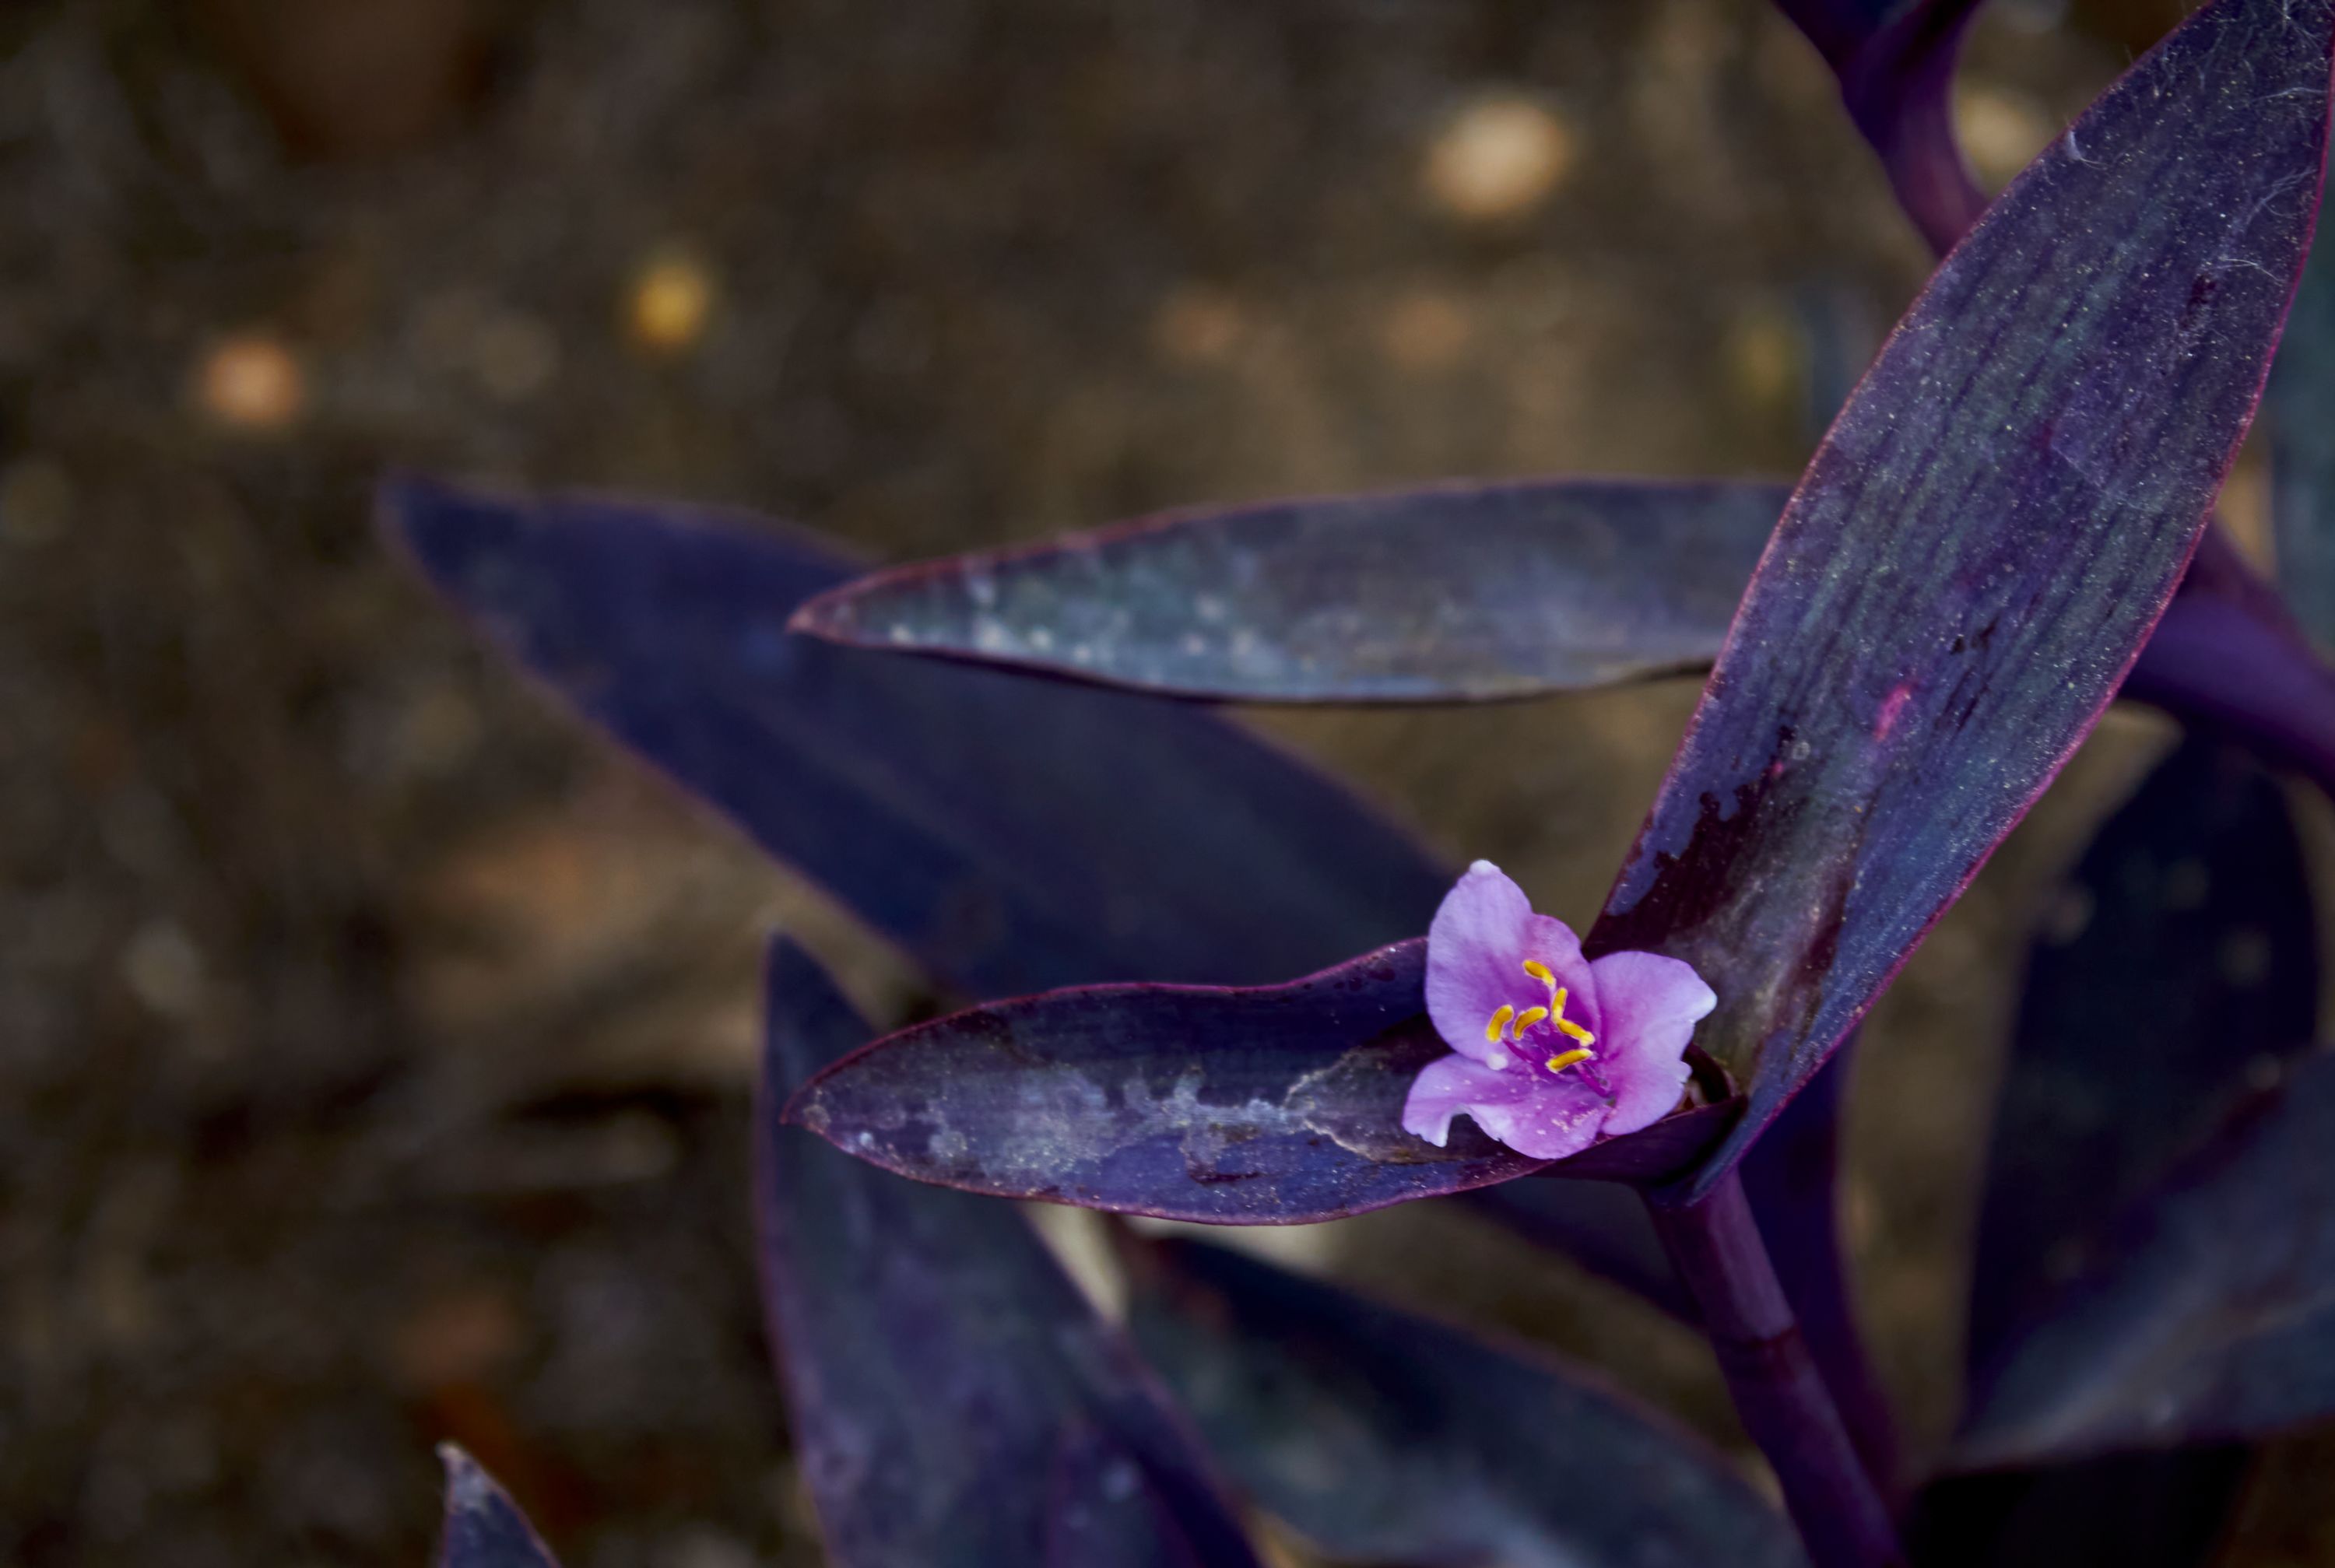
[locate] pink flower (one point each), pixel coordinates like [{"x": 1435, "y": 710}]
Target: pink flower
[{"x": 1550, "y": 1052}]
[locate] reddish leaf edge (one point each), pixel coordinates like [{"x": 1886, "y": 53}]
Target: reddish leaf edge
[
  {"x": 824, "y": 614},
  {"x": 1756, "y": 1119},
  {"x": 1695, "y": 1130},
  {"x": 1754, "y": 1123},
  {"x": 2222, "y": 602}
]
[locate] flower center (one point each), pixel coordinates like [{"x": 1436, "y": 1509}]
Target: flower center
[{"x": 1510, "y": 1025}]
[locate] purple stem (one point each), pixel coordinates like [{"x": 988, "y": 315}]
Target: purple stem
[
  {"x": 2228, "y": 658},
  {"x": 1791, "y": 1176},
  {"x": 1781, "y": 1397},
  {"x": 1899, "y": 90}
]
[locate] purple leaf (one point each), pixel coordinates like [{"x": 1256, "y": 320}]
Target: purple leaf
[
  {"x": 1896, "y": 63},
  {"x": 932, "y": 799},
  {"x": 1275, "y": 1105},
  {"x": 2300, "y": 413},
  {"x": 484, "y": 1528},
  {"x": 1552, "y": 586},
  {"x": 1383, "y": 1437},
  {"x": 1981, "y": 545},
  {"x": 1011, "y": 835},
  {"x": 1103, "y": 1509},
  {"x": 1601, "y": 1226},
  {"x": 2179, "y": 960},
  {"x": 1451, "y": 592},
  {"x": 2209, "y": 1315},
  {"x": 1789, "y": 1175},
  {"x": 2237, "y": 668},
  {"x": 938, "y": 1363}
]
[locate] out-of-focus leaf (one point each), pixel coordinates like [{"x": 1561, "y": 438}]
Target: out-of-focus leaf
[
  {"x": 2209, "y": 1315},
  {"x": 1457, "y": 592},
  {"x": 938, "y": 1363},
  {"x": 1465, "y": 593},
  {"x": 1601, "y": 1226},
  {"x": 1981, "y": 545},
  {"x": 2241, "y": 670},
  {"x": 1791, "y": 1177},
  {"x": 2300, "y": 413},
  {"x": 1896, "y": 63},
  {"x": 2128, "y": 1510},
  {"x": 484, "y": 1528},
  {"x": 1272, "y": 1105},
  {"x": 2178, "y": 962},
  {"x": 1103, "y": 1510},
  {"x": 1010, "y": 834},
  {"x": 1468, "y": 593},
  {"x": 1385, "y": 1438},
  {"x": 2179, "y": 957}
]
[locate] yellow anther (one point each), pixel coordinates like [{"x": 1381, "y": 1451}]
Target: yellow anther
[{"x": 1553, "y": 1012}]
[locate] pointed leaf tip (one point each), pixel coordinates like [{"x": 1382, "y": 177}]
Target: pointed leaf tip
[
  {"x": 1096, "y": 1096},
  {"x": 936, "y": 1355},
  {"x": 1447, "y": 593},
  {"x": 483, "y": 1527},
  {"x": 1291, "y": 1112},
  {"x": 1008, "y": 834},
  {"x": 1982, "y": 544}
]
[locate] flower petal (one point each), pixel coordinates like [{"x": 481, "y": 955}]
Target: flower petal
[
  {"x": 1534, "y": 1116},
  {"x": 1453, "y": 1086},
  {"x": 1483, "y": 931},
  {"x": 1651, "y": 1005}
]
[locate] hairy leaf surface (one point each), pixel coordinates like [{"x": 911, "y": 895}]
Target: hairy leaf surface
[{"x": 1982, "y": 544}]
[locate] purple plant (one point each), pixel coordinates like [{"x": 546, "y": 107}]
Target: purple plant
[
  {"x": 2008, "y": 526},
  {"x": 1549, "y": 1051}
]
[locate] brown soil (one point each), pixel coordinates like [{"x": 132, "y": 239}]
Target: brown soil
[{"x": 373, "y": 1045}]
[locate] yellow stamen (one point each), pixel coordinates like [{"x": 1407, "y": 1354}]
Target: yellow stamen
[
  {"x": 1499, "y": 1021},
  {"x": 1526, "y": 1019},
  {"x": 1539, "y": 971},
  {"x": 1559, "y": 1063},
  {"x": 1576, "y": 1030}
]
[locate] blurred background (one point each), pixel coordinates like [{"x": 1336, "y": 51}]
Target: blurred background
[{"x": 375, "y": 1045}]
